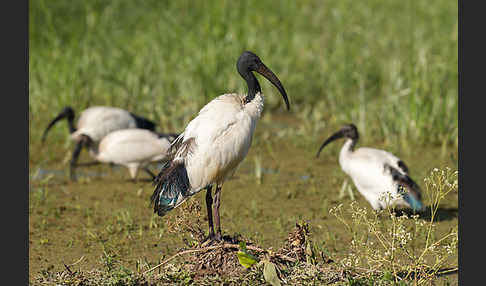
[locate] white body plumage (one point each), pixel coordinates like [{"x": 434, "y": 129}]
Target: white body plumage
[
  {"x": 366, "y": 168},
  {"x": 213, "y": 144},
  {"x": 98, "y": 121},
  {"x": 93, "y": 124},
  {"x": 133, "y": 148},
  {"x": 218, "y": 139},
  {"x": 381, "y": 177}
]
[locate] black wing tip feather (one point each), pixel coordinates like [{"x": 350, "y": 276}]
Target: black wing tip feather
[
  {"x": 143, "y": 123},
  {"x": 171, "y": 183},
  {"x": 154, "y": 199},
  {"x": 403, "y": 166},
  {"x": 405, "y": 180},
  {"x": 158, "y": 186}
]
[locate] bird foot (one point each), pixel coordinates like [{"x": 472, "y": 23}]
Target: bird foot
[{"x": 211, "y": 240}]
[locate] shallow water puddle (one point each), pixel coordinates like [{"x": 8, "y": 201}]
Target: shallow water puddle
[{"x": 44, "y": 173}]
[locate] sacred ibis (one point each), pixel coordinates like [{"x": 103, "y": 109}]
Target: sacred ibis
[
  {"x": 213, "y": 144},
  {"x": 134, "y": 148},
  {"x": 376, "y": 172},
  {"x": 93, "y": 124}
]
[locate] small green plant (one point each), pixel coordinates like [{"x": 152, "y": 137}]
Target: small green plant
[
  {"x": 39, "y": 195},
  {"x": 108, "y": 259},
  {"x": 245, "y": 258},
  {"x": 258, "y": 170},
  {"x": 403, "y": 247},
  {"x": 254, "y": 209},
  {"x": 123, "y": 223},
  {"x": 117, "y": 274}
]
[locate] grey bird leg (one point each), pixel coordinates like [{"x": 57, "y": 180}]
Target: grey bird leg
[
  {"x": 217, "y": 197},
  {"x": 74, "y": 159},
  {"x": 84, "y": 142},
  {"x": 209, "y": 204}
]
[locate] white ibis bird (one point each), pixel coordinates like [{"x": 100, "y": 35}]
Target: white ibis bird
[
  {"x": 93, "y": 124},
  {"x": 213, "y": 144},
  {"x": 134, "y": 148},
  {"x": 376, "y": 172}
]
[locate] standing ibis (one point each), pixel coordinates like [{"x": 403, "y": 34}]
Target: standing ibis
[
  {"x": 93, "y": 124},
  {"x": 213, "y": 144},
  {"x": 376, "y": 172},
  {"x": 134, "y": 148}
]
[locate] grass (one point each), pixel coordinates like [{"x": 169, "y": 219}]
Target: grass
[{"x": 390, "y": 67}]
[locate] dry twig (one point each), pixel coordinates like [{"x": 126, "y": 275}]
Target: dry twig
[{"x": 225, "y": 246}]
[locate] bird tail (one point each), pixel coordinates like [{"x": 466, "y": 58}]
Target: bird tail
[
  {"x": 413, "y": 196},
  {"x": 415, "y": 204},
  {"x": 143, "y": 123},
  {"x": 171, "y": 187}
]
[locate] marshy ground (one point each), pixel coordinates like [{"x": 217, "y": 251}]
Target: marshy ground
[{"x": 279, "y": 184}]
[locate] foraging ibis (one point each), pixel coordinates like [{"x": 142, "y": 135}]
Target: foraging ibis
[
  {"x": 134, "y": 148},
  {"x": 376, "y": 172},
  {"x": 93, "y": 124},
  {"x": 213, "y": 144}
]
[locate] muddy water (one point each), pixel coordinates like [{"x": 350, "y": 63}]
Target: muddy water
[{"x": 104, "y": 212}]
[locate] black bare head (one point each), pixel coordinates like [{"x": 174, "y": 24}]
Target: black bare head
[
  {"x": 350, "y": 131},
  {"x": 68, "y": 113},
  {"x": 347, "y": 131},
  {"x": 249, "y": 62}
]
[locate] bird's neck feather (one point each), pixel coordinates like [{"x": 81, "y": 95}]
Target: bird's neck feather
[
  {"x": 346, "y": 151},
  {"x": 72, "y": 129},
  {"x": 255, "y": 107}
]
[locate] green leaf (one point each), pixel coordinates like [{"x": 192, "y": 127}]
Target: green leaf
[
  {"x": 270, "y": 273},
  {"x": 246, "y": 259}
]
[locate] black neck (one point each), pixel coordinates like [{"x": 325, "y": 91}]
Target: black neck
[
  {"x": 353, "y": 143},
  {"x": 253, "y": 86},
  {"x": 72, "y": 129}
]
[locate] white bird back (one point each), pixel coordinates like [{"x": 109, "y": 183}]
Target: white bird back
[
  {"x": 220, "y": 137},
  {"x": 98, "y": 121},
  {"x": 366, "y": 167},
  {"x": 135, "y": 145}
]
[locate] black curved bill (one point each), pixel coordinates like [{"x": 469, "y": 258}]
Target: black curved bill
[
  {"x": 268, "y": 74},
  {"x": 335, "y": 136},
  {"x": 61, "y": 115}
]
